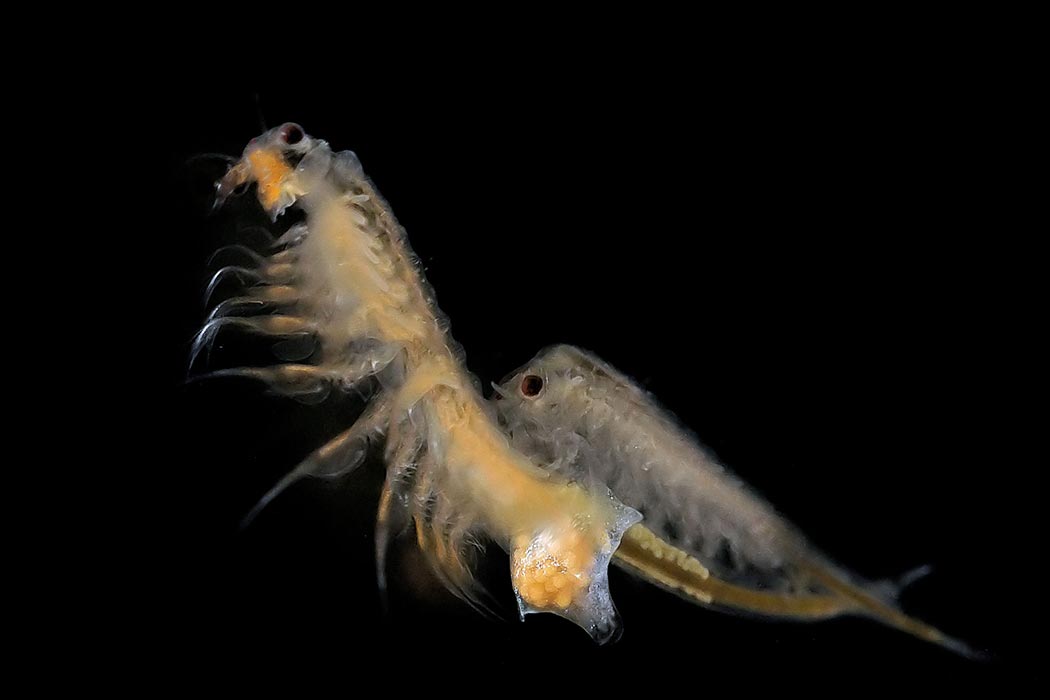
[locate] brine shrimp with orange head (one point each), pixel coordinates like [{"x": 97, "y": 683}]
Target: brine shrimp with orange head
[{"x": 346, "y": 280}]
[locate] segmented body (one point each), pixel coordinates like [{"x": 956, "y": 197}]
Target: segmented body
[
  {"x": 591, "y": 423},
  {"x": 346, "y": 297},
  {"x": 348, "y": 279},
  {"x": 705, "y": 534}
]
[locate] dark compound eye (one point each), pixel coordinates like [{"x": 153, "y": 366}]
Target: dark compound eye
[
  {"x": 291, "y": 134},
  {"x": 531, "y": 385}
]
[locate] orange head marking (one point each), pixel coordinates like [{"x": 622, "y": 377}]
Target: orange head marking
[
  {"x": 266, "y": 163},
  {"x": 269, "y": 169}
]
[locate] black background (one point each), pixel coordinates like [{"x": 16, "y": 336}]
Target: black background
[{"x": 803, "y": 260}]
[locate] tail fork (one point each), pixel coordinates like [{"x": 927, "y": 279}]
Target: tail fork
[{"x": 869, "y": 605}]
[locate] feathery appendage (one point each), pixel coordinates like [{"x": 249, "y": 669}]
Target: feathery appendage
[{"x": 347, "y": 281}]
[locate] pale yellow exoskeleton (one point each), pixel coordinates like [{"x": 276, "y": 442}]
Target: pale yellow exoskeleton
[
  {"x": 705, "y": 534},
  {"x": 562, "y": 485},
  {"x": 347, "y": 279}
]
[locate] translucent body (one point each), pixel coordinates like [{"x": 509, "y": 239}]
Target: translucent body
[
  {"x": 347, "y": 279},
  {"x": 592, "y": 424},
  {"x": 705, "y": 534},
  {"x": 344, "y": 296}
]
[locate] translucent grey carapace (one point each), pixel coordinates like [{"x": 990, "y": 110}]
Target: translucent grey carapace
[
  {"x": 705, "y": 533},
  {"x": 590, "y": 422}
]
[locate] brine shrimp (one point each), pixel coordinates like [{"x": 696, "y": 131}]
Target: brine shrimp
[
  {"x": 346, "y": 281},
  {"x": 705, "y": 535},
  {"x": 572, "y": 468}
]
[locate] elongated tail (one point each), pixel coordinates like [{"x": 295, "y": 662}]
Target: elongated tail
[
  {"x": 870, "y": 605},
  {"x": 650, "y": 557}
]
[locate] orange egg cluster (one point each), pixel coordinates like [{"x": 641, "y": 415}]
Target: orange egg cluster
[{"x": 551, "y": 571}]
